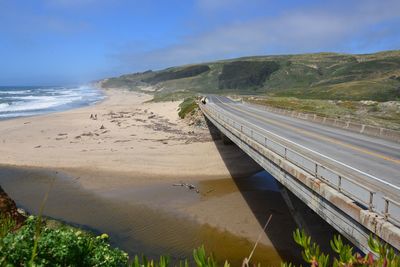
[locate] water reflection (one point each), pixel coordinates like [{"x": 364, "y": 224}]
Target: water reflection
[{"x": 147, "y": 219}]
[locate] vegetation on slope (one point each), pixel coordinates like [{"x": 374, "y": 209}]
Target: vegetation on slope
[
  {"x": 312, "y": 76},
  {"x": 245, "y": 74},
  {"x": 188, "y": 106},
  {"x": 176, "y": 74},
  {"x": 129, "y": 81},
  {"x": 380, "y": 114},
  {"x": 172, "y": 96}
]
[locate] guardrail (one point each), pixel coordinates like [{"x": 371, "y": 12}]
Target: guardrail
[
  {"x": 372, "y": 200},
  {"x": 370, "y": 130}
]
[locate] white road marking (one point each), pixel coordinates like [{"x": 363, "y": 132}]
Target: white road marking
[{"x": 315, "y": 152}]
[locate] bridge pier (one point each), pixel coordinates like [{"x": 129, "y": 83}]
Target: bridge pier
[{"x": 296, "y": 214}]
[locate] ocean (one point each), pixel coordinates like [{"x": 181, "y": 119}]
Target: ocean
[{"x": 21, "y": 101}]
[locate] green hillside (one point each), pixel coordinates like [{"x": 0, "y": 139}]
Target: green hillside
[{"x": 312, "y": 76}]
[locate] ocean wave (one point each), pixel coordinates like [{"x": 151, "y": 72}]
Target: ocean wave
[
  {"x": 39, "y": 104},
  {"x": 15, "y": 92},
  {"x": 16, "y": 115},
  {"x": 44, "y": 100},
  {"x": 4, "y": 105}
]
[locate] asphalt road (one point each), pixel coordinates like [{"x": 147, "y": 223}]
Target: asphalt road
[{"x": 371, "y": 161}]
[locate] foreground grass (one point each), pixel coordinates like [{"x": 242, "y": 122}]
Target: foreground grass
[
  {"x": 61, "y": 245},
  {"x": 381, "y": 114},
  {"x": 57, "y": 245},
  {"x": 50, "y": 243}
]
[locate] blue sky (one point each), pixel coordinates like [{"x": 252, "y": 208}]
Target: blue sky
[{"x": 74, "y": 41}]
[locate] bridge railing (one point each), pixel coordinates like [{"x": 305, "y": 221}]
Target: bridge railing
[
  {"x": 366, "y": 129},
  {"x": 374, "y": 201}
]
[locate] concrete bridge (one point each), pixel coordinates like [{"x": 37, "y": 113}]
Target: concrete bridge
[{"x": 350, "y": 179}]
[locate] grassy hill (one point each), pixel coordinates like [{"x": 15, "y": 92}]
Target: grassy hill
[{"x": 311, "y": 76}]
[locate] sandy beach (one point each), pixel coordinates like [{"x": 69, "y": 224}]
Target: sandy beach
[
  {"x": 139, "y": 145},
  {"x": 129, "y": 136}
]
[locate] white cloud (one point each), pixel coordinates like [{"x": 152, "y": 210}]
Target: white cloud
[{"x": 321, "y": 29}]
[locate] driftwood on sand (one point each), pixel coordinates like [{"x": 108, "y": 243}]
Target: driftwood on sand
[{"x": 188, "y": 186}]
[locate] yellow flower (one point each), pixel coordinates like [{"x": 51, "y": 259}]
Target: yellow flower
[{"x": 104, "y": 236}]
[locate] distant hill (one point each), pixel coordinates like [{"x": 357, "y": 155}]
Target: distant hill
[{"x": 314, "y": 76}]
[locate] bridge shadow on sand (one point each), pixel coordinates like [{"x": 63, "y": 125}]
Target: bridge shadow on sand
[{"x": 265, "y": 196}]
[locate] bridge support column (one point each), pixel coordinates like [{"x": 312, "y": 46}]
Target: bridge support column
[{"x": 297, "y": 216}]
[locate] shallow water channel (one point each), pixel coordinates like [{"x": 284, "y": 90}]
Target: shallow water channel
[{"x": 143, "y": 220}]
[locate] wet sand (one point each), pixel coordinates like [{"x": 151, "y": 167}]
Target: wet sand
[{"x": 157, "y": 219}]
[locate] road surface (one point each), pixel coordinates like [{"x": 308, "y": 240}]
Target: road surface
[{"x": 371, "y": 161}]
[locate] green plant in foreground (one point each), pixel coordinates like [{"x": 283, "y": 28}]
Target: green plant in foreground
[
  {"x": 164, "y": 261},
  {"x": 7, "y": 224},
  {"x": 67, "y": 246},
  {"x": 63, "y": 245},
  {"x": 312, "y": 254},
  {"x": 202, "y": 260},
  {"x": 199, "y": 255}
]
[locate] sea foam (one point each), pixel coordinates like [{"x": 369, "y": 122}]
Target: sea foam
[{"x": 22, "y": 101}]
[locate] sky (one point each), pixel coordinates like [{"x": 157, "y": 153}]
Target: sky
[{"x": 58, "y": 42}]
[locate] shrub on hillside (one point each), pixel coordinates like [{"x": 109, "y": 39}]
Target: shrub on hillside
[
  {"x": 246, "y": 74},
  {"x": 177, "y": 74},
  {"x": 186, "y": 107}
]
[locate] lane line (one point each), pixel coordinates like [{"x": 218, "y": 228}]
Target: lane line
[
  {"x": 319, "y": 154},
  {"x": 318, "y": 136},
  {"x": 329, "y": 139}
]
